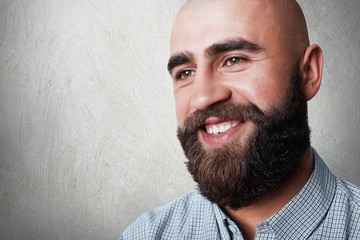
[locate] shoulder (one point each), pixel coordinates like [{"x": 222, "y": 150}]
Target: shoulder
[
  {"x": 185, "y": 214},
  {"x": 348, "y": 193},
  {"x": 345, "y": 210}
]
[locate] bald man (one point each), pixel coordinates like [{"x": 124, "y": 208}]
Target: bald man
[{"x": 243, "y": 71}]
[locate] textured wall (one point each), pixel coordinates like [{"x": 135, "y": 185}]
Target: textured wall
[{"x": 87, "y": 121}]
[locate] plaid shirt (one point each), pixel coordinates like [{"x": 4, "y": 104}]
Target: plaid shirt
[{"x": 326, "y": 208}]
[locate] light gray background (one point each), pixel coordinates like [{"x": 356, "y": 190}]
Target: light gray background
[{"x": 87, "y": 121}]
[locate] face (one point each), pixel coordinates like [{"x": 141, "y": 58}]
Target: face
[
  {"x": 216, "y": 56},
  {"x": 234, "y": 91}
]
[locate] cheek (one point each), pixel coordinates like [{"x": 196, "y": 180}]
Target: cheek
[
  {"x": 272, "y": 93},
  {"x": 261, "y": 87}
]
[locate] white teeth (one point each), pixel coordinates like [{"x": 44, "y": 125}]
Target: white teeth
[
  {"x": 220, "y": 128},
  {"x": 215, "y": 130},
  {"x": 210, "y": 130}
]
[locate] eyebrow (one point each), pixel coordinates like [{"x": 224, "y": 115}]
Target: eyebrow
[
  {"x": 215, "y": 49},
  {"x": 232, "y": 45},
  {"x": 179, "y": 59}
]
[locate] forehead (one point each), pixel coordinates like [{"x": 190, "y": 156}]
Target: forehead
[{"x": 199, "y": 27}]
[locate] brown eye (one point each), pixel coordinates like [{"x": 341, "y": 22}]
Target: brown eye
[
  {"x": 186, "y": 74},
  {"x": 233, "y": 61}
]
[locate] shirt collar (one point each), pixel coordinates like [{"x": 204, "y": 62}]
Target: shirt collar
[{"x": 304, "y": 212}]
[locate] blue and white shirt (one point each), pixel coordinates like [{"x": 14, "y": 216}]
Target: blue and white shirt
[{"x": 326, "y": 208}]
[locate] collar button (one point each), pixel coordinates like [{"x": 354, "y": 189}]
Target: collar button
[{"x": 232, "y": 229}]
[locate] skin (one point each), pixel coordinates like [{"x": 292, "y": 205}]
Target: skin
[{"x": 260, "y": 76}]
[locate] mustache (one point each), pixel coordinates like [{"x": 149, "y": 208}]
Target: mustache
[{"x": 224, "y": 111}]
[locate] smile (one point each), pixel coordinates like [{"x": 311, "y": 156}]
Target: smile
[
  {"x": 218, "y": 132},
  {"x": 219, "y": 128}
]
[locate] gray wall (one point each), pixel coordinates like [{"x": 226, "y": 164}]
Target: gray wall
[{"x": 87, "y": 121}]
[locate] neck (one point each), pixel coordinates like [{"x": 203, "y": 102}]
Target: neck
[{"x": 248, "y": 218}]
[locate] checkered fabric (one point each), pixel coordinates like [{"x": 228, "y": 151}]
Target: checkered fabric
[{"x": 326, "y": 208}]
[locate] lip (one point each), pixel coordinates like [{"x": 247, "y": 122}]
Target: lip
[
  {"x": 213, "y": 120},
  {"x": 222, "y": 138}
]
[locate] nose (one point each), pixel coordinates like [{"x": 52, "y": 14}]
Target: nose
[{"x": 208, "y": 89}]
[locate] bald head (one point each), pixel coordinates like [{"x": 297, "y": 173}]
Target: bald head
[{"x": 282, "y": 21}]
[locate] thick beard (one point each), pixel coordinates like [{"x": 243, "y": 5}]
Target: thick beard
[{"x": 237, "y": 176}]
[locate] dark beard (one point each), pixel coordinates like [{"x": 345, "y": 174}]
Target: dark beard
[{"x": 237, "y": 176}]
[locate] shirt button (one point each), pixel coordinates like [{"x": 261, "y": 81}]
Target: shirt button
[{"x": 232, "y": 229}]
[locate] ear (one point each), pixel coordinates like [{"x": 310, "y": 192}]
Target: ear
[{"x": 312, "y": 67}]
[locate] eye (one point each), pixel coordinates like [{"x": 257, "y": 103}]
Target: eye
[
  {"x": 233, "y": 61},
  {"x": 185, "y": 74}
]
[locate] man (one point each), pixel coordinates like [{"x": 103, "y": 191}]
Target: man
[{"x": 243, "y": 71}]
